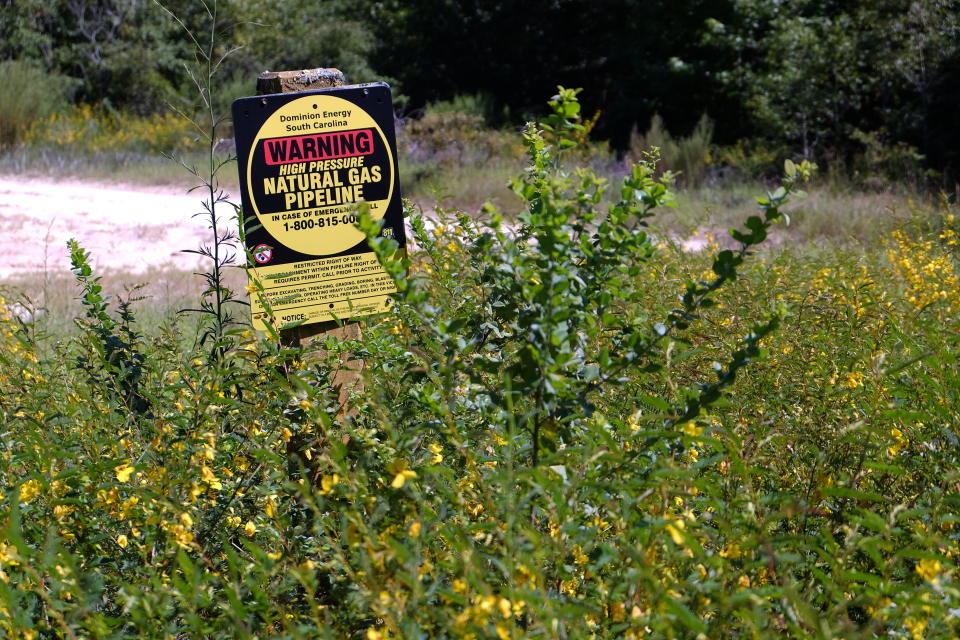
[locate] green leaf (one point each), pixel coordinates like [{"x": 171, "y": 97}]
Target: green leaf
[
  {"x": 685, "y": 616},
  {"x": 844, "y": 492}
]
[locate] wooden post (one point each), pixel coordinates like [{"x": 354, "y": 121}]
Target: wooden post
[
  {"x": 348, "y": 377},
  {"x": 299, "y": 80}
]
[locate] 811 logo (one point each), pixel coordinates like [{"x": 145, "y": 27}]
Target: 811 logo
[{"x": 262, "y": 253}]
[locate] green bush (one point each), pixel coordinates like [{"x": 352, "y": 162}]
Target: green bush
[
  {"x": 542, "y": 449},
  {"x": 480, "y": 105},
  {"x": 454, "y": 150},
  {"x": 887, "y": 163},
  {"x": 29, "y": 95},
  {"x": 689, "y": 157}
]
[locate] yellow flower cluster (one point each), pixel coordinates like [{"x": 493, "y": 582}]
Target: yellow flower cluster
[
  {"x": 928, "y": 271},
  {"x": 94, "y": 129},
  {"x": 950, "y": 234},
  {"x": 492, "y": 609},
  {"x": 929, "y": 569},
  {"x": 900, "y": 442}
]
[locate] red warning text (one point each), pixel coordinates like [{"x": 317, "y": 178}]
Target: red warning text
[{"x": 320, "y": 146}]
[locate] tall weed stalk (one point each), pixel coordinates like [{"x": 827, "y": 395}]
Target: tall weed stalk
[{"x": 217, "y": 300}]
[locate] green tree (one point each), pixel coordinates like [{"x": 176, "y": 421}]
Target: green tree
[
  {"x": 304, "y": 33},
  {"x": 120, "y": 53},
  {"x": 815, "y": 72},
  {"x": 632, "y": 58}
]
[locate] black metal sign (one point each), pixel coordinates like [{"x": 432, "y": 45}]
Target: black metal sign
[{"x": 304, "y": 160}]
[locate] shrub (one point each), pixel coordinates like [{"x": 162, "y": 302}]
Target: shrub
[
  {"x": 454, "y": 137},
  {"x": 89, "y": 129},
  {"x": 539, "y": 452},
  {"x": 29, "y": 95},
  {"x": 886, "y": 162},
  {"x": 454, "y": 149},
  {"x": 689, "y": 157},
  {"x": 752, "y": 158},
  {"x": 478, "y": 105}
]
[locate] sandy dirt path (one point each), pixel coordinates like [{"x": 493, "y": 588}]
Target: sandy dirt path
[{"x": 124, "y": 227}]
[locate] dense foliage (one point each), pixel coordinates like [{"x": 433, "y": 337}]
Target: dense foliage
[
  {"x": 545, "y": 447},
  {"x": 845, "y": 82}
]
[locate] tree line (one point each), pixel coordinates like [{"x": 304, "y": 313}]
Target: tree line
[{"x": 827, "y": 79}]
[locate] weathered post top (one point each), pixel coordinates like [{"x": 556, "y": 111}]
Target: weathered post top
[{"x": 298, "y": 80}]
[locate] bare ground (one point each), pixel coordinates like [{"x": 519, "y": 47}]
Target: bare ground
[{"x": 126, "y": 228}]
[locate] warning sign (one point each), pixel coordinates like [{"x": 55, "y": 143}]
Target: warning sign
[{"x": 305, "y": 159}]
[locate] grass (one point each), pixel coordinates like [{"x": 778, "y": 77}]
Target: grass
[
  {"x": 49, "y": 301},
  {"x": 830, "y": 213},
  {"x": 105, "y": 167},
  {"x": 461, "y": 186}
]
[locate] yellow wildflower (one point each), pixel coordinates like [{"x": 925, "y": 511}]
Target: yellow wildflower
[
  {"x": 853, "y": 379},
  {"x": 8, "y": 554},
  {"x": 327, "y": 483},
  {"x": 928, "y": 569},
  {"x": 900, "y": 442},
  {"x": 249, "y": 528},
  {"x": 579, "y": 557},
  {"x": 124, "y": 472},
  {"x": 675, "y": 529},
  {"x": 208, "y": 476},
  {"x": 916, "y": 627},
  {"x": 29, "y": 490},
  {"x": 692, "y": 429},
  {"x": 401, "y": 477},
  {"x": 401, "y": 473}
]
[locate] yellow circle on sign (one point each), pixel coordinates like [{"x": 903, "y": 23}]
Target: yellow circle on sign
[{"x": 315, "y": 217}]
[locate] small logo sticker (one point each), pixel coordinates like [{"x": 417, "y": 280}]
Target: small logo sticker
[{"x": 262, "y": 253}]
